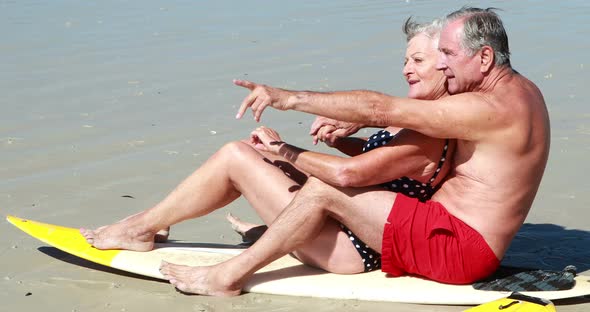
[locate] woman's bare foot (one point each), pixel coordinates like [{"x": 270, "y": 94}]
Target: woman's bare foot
[
  {"x": 161, "y": 235},
  {"x": 250, "y": 232},
  {"x": 119, "y": 235},
  {"x": 199, "y": 280}
]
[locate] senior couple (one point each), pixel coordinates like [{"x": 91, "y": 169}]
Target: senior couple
[{"x": 439, "y": 192}]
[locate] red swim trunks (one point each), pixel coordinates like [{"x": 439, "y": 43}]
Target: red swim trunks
[{"x": 423, "y": 238}]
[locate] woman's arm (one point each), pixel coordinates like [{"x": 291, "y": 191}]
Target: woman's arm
[
  {"x": 407, "y": 155},
  {"x": 350, "y": 146}
]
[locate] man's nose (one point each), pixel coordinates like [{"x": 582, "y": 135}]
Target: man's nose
[{"x": 441, "y": 64}]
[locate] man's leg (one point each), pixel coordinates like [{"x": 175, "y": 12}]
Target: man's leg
[{"x": 363, "y": 210}]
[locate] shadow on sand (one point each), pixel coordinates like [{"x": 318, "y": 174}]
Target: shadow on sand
[
  {"x": 71, "y": 259},
  {"x": 549, "y": 247}
]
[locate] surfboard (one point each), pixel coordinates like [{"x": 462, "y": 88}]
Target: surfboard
[{"x": 285, "y": 276}]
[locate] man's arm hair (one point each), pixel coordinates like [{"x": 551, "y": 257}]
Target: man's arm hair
[{"x": 467, "y": 116}]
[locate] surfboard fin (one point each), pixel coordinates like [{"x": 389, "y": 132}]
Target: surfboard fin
[{"x": 516, "y": 302}]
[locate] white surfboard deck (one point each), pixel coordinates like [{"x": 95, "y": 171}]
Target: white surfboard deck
[{"x": 285, "y": 276}]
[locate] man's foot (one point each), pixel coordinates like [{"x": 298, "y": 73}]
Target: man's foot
[
  {"x": 198, "y": 280},
  {"x": 119, "y": 235},
  {"x": 250, "y": 232}
]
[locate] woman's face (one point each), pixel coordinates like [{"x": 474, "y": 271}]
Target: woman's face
[{"x": 425, "y": 81}]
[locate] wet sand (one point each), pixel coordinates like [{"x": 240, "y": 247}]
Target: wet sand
[{"x": 107, "y": 106}]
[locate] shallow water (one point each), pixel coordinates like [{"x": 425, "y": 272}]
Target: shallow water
[{"x": 105, "y": 99}]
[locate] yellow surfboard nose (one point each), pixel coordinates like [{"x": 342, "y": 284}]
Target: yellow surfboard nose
[{"x": 66, "y": 239}]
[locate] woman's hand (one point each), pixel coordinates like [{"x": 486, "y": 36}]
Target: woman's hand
[
  {"x": 266, "y": 139},
  {"x": 329, "y": 130},
  {"x": 325, "y": 134}
]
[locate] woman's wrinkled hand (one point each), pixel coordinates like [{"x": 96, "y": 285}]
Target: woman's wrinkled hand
[
  {"x": 330, "y": 130},
  {"x": 266, "y": 139}
]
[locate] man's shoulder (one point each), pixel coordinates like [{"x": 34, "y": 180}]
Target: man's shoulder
[
  {"x": 471, "y": 100},
  {"x": 517, "y": 83}
]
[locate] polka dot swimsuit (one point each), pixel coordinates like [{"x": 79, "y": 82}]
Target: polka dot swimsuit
[{"x": 407, "y": 186}]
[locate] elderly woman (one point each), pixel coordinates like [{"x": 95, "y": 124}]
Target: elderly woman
[
  {"x": 422, "y": 168},
  {"x": 406, "y": 161}
]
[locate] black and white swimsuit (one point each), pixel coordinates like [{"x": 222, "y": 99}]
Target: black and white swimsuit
[{"x": 404, "y": 185}]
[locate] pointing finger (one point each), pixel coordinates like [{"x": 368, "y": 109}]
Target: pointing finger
[{"x": 245, "y": 84}]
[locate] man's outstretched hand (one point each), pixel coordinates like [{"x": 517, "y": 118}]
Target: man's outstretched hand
[{"x": 260, "y": 97}]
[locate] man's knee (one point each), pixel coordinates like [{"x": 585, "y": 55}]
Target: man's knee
[
  {"x": 317, "y": 184},
  {"x": 318, "y": 194},
  {"x": 316, "y": 187}
]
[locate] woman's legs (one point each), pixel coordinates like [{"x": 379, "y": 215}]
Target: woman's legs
[
  {"x": 250, "y": 232},
  {"x": 236, "y": 169}
]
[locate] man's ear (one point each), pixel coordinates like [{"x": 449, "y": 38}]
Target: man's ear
[{"x": 487, "y": 58}]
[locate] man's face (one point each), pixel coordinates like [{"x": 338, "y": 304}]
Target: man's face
[{"x": 462, "y": 71}]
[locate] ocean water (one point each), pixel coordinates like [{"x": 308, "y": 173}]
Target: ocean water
[{"x": 102, "y": 99}]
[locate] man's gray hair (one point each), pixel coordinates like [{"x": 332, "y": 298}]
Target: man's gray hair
[
  {"x": 412, "y": 28},
  {"x": 482, "y": 27}
]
